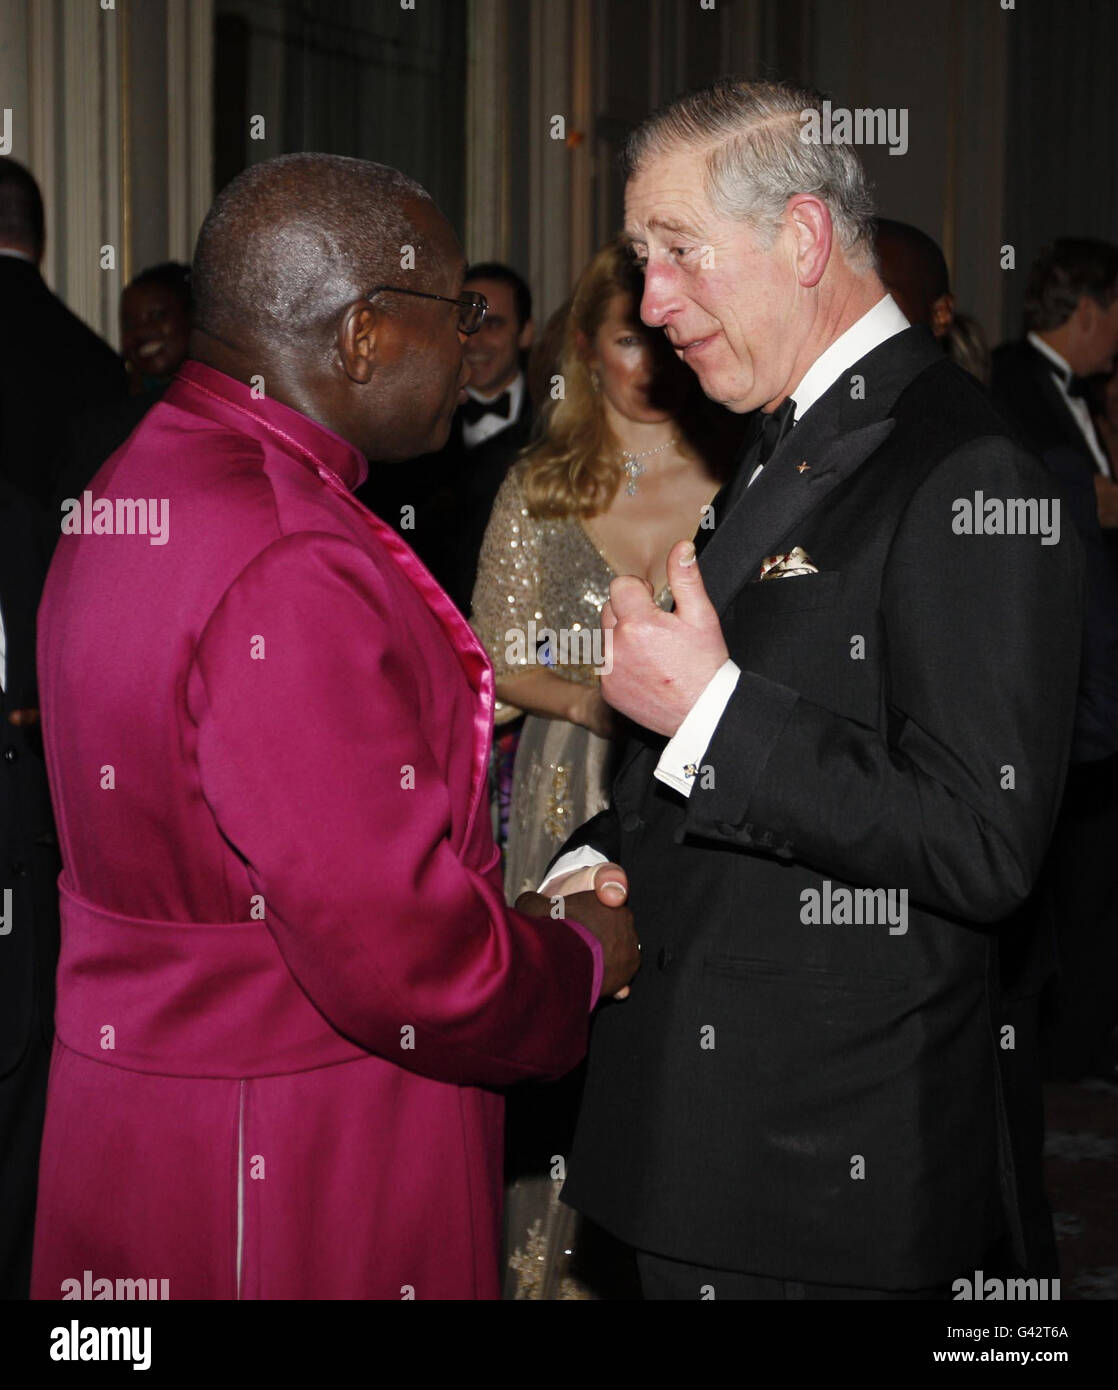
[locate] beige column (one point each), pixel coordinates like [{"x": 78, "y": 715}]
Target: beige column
[
  {"x": 189, "y": 122},
  {"x": 486, "y": 233},
  {"x": 549, "y": 181}
]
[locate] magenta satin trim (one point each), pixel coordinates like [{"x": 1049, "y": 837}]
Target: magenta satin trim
[
  {"x": 319, "y": 444},
  {"x": 596, "y": 951},
  {"x": 203, "y": 999},
  {"x": 336, "y": 461},
  {"x": 460, "y": 634}
]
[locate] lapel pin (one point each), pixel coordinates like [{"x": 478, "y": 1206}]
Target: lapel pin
[{"x": 802, "y": 467}]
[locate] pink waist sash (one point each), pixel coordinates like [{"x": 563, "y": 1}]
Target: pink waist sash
[{"x": 185, "y": 999}]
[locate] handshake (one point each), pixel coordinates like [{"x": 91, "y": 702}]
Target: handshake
[{"x": 595, "y": 897}]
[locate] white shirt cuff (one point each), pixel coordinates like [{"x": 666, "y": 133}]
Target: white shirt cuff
[
  {"x": 581, "y": 858},
  {"x": 679, "y": 762}
]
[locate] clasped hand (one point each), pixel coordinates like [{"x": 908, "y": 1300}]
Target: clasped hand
[{"x": 595, "y": 898}]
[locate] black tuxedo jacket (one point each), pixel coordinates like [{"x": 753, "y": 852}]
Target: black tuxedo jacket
[
  {"x": 1023, "y": 390},
  {"x": 481, "y": 472},
  {"x": 822, "y": 1102},
  {"x": 452, "y": 493},
  {"x": 52, "y": 370},
  {"x": 29, "y": 862}
]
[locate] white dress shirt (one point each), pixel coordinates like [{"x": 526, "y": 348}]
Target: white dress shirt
[
  {"x": 1076, "y": 404},
  {"x": 681, "y": 760},
  {"x": 489, "y": 425}
]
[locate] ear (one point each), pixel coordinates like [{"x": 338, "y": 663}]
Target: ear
[
  {"x": 527, "y": 336},
  {"x": 1086, "y": 313},
  {"x": 810, "y": 220},
  {"x": 360, "y": 340},
  {"x": 943, "y": 314}
]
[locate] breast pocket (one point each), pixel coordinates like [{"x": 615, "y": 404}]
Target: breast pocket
[{"x": 799, "y": 594}]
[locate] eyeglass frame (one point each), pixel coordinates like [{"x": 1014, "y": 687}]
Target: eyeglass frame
[{"x": 469, "y": 299}]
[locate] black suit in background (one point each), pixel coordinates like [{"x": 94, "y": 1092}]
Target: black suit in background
[
  {"x": 29, "y": 868},
  {"x": 89, "y": 440},
  {"x": 52, "y": 370},
  {"x": 481, "y": 472},
  {"x": 841, "y": 1049},
  {"x": 1024, "y": 390},
  {"x": 453, "y": 492},
  {"x": 1078, "y": 895}
]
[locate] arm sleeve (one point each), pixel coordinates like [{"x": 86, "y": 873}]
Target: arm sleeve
[
  {"x": 600, "y": 835},
  {"x": 955, "y": 797},
  {"x": 583, "y": 858},
  {"x": 315, "y": 761},
  {"x": 679, "y": 762}
]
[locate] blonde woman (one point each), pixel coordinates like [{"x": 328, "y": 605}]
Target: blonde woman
[
  {"x": 617, "y": 477},
  {"x": 623, "y": 470}
]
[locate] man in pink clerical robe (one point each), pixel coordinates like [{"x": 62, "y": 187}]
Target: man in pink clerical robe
[{"x": 289, "y": 983}]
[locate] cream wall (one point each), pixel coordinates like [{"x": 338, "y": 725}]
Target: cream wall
[
  {"x": 603, "y": 64},
  {"x": 111, "y": 110}
]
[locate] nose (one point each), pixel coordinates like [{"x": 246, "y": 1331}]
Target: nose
[{"x": 660, "y": 298}]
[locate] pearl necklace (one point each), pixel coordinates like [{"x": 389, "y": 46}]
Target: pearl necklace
[{"x": 633, "y": 466}]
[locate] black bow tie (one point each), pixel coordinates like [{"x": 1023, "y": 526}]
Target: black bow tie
[
  {"x": 774, "y": 427},
  {"x": 475, "y": 410}
]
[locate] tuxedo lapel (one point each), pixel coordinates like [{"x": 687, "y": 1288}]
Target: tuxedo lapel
[
  {"x": 753, "y": 527},
  {"x": 1056, "y": 404},
  {"x": 792, "y": 485},
  {"x": 848, "y": 423}
]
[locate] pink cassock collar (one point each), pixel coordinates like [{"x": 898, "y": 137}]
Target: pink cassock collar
[{"x": 205, "y": 390}]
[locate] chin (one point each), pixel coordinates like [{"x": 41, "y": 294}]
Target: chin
[{"x": 437, "y": 438}]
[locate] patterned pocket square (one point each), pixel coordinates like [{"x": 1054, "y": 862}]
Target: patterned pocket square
[{"x": 797, "y": 561}]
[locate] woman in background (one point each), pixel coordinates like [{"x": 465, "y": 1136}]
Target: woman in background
[{"x": 630, "y": 455}]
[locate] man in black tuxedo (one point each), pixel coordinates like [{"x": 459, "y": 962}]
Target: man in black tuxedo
[
  {"x": 453, "y": 491},
  {"x": 52, "y": 367},
  {"x": 853, "y": 732},
  {"x": 1071, "y": 318},
  {"x": 29, "y": 868},
  {"x": 1071, "y": 321}
]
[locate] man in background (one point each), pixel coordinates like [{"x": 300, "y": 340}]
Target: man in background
[
  {"x": 1071, "y": 321},
  {"x": 28, "y": 892},
  {"x": 52, "y": 367},
  {"x": 1071, "y": 332},
  {"x": 913, "y": 269},
  {"x": 154, "y": 334}
]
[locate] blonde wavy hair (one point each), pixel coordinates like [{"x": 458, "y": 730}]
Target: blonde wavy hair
[{"x": 575, "y": 468}]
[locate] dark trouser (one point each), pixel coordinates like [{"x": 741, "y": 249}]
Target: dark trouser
[
  {"x": 1025, "y": 1110},
  {"x": 23, "y": 1094},
  {"x": 662, "y": 1278},
  {"x": 1080, "y": 1008}
]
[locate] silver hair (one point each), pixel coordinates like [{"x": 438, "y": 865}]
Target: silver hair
[{"x": 755, "y": 159}]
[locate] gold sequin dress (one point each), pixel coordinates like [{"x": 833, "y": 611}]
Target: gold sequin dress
[
  {"x": 535, "y": 575},
  {"x": 551, "y": 574}
]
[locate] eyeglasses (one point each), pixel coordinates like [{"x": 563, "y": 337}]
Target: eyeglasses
[{"x": 471, "y": 305}]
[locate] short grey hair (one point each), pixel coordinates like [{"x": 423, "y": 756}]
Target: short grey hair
[
  {"x": 756, "y": 160},
  {"x": 292, "y": 239}
]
